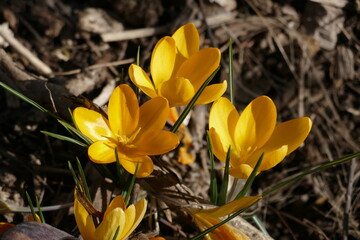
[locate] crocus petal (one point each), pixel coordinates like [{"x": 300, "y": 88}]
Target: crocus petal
[
  {"x": 123, "y": 110},
  {"x": 109, "y": 225},
  {"x": 163, "y": 60},
  {"x": 187, "y": 40},
  {"x": 139, "y": 215},
  {"x": 153, "y": 114},
  {"x": 291, "y": 133},
  {"x": 256, "y": 124},
  {"x": 139, "y": 77},
  {"x": 145, "y": 164},
  {"x": 155, "y": 142},
  {"x": 271, "y": 158},
  {"x": 212, "y": 93},
  {"x": 223, "y": 117},
  {"x": 200, "y": 66},
  {"x": 117, "y": 202},
  {"x": 241, "y": 171},
  {"x": 229, "y": 208},
  {"x": 102, "y": 152},
  {"x": 92, "y": 124},
  {"x": 84, "y": 221},
  {"x": 130, "y": 213},
  {"x": 178, "y": 91}
]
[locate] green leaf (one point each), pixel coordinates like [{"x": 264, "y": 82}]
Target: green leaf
[
  {"x": 26, "y": 99},
  {"x": 251, "y": 178},
  {"x": 42, "y": 219},
  {"x": 31, "y": 206},
  {"x": 213, "y": 191},
  {"x": 64, "y": 138},
  {"x": 131, "y": 186},
  {"x": 225, "y": 183},
  {"x": 116, "y": 233},
  {"x": 192, "y": 103},
  {"x": 83, "y": 179}
]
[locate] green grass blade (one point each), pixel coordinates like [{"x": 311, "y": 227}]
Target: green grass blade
[
  {"x": 64, "y": 138},
  {"x": 231, "y": 71},
  {"x": 83, "y": 179},
  {"x": 131, "y": 186},
  {"x": 31, "y": 206},
  {"x": 76, "y": 180},
  {"x": 259, "y": 224},
  {"x": 75, "y": 130},
  {"x": 138, "y": 56},
  {"x": 251, "y": 178},
  {"x": 315, "y": 170},
  {"x": 225, "y": 183},
  {"x": 192, "y": 102},
  {"x": 213, "y": 191},
  {"x": 42, "y": 219},
  {"x": 116, "y": 233},
  {"x": 26, "y": 99}
]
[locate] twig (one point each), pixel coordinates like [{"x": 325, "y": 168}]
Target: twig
[
  {"x": 349, "y": 191},
  {"x": 6, "y": 33},
  {"x": 147, "y": 32}
]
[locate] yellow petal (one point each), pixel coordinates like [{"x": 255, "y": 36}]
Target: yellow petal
[
  {"x": 163, "y": 60},
  {"x": 178, "y": 91},
  {"x": 200, "y": 66},
  {"x": 123, "y": 110},
  {"x": 109, "y": 225},
  {"x": 117, "y": 202},
  {"x": 84, "y": 221},
  {"x": 153, "y": 114},
  {"x": 291, "y": 133},
  {"x": 139, "y": 215},
  {"x": 241, "y": 171},
  {"x": 229, "y": 208},
  {"x": 271, "y": 158},
  {"x": 256, "y": 124},
  {"x": 145, "y": 164},
  {"x": 155, "y": 142},
  {"x": 187, "y": 40},
  {"x": 102, "y": 152},
  {"x": 222, "y": 119},
  {"x": 212, "y": 93},
  {"x": 185, "y": 157},
  {"x": 130, "y": 213},
  {"x": 92, "y": 124},
  {"x": 139, "y": 77}
]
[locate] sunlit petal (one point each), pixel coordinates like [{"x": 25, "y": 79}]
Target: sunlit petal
[
  {"x": 187, "y": 40},
  {"x": 140, "y": 208},
  {"x": 241, "y": 171},
  {"x": 83, "y": 220},
  {"x": 109, "y": 225},
  {"x": 212, "y": 93},
  {"x": 123, "y": 110},
  {"x": 102, "y": 152},
  {"x": 178, "y": 91},
  {"x": 223, "y": 117},
  {"x": 139, "y": 77},
  {"x": 145, "y": 164},
  {"x": 219, "y": 148},
  {"x": 117, "y": 202},
  {"x": 91, "y": 123},
  {"x": 229, "y": 208},
  {"x": 130, "y": 213},
  {"x": 156, "y": 142},
  {"x": 256, "y": 123},
  {"x": 271, "y": 157},
  {"x": 291, "y": 133},
  {"x": 153, "y": 114},
  {"x": 163, "y": 60},
  {"x": 200, "y": 66}
]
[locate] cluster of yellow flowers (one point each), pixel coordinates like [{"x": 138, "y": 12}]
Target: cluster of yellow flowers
[{"x": 178, "y": 68}]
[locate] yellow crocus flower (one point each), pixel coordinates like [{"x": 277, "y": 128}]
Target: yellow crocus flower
[
  {"x": 206, "y": 218},
  {"x": 252, "y": 133},
  {"x": 134, "y": 131},
  {"x": 178, "y": 68},
  {"x": 116, "y": 215}
]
